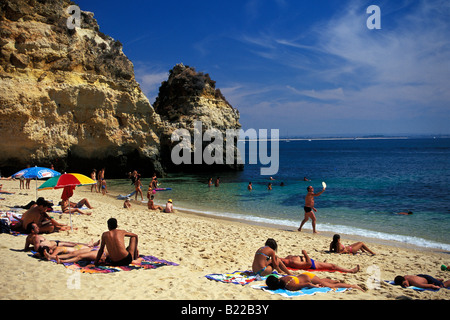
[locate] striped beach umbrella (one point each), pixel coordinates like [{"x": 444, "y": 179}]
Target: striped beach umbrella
[{"x": 67, "y": 181}]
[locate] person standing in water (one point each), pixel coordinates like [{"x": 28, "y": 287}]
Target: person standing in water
[{"x": 309, "y": 208}]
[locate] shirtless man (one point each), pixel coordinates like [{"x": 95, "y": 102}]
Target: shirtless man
[
  {"x": 309, "y": 208},
  {"x": 306, "y": 263},
  {"x": 114, "y": 240},
  {"x": 421, "y": 281},
  {"x": 38, "y": 215}
]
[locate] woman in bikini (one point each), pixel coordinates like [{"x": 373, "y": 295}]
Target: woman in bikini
[
  {"x": 338, "y": 247},
  {"x": 305, "y": 280},
  {"x": 266, "y": 260},
  {"x": 305, "y": 262}
]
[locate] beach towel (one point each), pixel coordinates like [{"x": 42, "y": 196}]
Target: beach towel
[
  {"x": 237, "y": 277},
  {"x": 83, "y": 266},
  {"x": 413, "y": 287},
  {"x": 290, "y": 294},
  {"x": 148, "y": 262}
]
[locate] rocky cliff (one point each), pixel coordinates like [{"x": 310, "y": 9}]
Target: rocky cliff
[
  {"x": 68, "y": 96},
  {"x": 189, "y": 97}
]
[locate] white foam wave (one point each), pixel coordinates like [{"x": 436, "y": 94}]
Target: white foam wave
[{"x": 409, "y": 240}]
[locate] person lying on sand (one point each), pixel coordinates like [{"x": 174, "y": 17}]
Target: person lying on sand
[
  {"x": 421, "y": 281},
  {"x": 338, "y": 247},
  {"x": 305, "y": 263},
  {"x": 74, "y": 208},
  {"x": 305, "y": 280},
  {"x": 83, "y": 254},
  {"x": 266, "y": 261},
  {"x": 55, "y": 246},
  {"x": 4, "y": 191},
  {"x": 114, "y": 240}
]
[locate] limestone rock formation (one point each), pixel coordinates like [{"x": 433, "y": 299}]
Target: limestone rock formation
[
  {"x": 188, "y": 97},
  {"x": 69, "y": 95}
]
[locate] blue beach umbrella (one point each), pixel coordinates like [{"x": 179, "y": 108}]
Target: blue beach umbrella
[{"x": 36, "y": 173}]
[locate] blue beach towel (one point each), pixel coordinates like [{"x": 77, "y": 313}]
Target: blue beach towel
[{"x": 290, "y": 294}]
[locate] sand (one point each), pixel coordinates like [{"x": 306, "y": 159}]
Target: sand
[{"x": 200, "y": 245}]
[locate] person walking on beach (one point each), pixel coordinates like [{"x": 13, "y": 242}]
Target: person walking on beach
[
  {"x": 114, "y": 240},
  {"x": 309, "y": 208},
  {"x": 137, "y": 188}
]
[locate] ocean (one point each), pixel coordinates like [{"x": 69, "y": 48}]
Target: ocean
[{"x": 369, "y": 181}]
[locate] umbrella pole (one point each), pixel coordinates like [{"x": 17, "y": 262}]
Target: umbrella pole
[{"x": 70, "y": 216}]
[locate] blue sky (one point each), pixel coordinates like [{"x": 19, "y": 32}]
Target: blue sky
[{"x": 303, "y": 67}]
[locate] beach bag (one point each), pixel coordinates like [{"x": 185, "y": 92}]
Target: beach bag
[{"x": 4, "y": 227}]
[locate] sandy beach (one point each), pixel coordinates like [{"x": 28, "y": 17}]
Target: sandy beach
[{"x": 200, "y": 245}]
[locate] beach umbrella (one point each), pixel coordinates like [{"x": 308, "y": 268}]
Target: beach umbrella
[
  {"x": 68, "y": 182},
  {"x": 36, "y": 173}
]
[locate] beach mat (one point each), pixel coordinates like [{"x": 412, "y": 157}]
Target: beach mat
[
  {"x": 148, "y": 262},
  {"x": 237, "y": 277},
  {"x": 304, "y": 292}
]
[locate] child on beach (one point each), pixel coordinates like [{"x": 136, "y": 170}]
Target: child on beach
[
  {"x": 309, "y": 208},
  {"x": 169, "y": 206}
]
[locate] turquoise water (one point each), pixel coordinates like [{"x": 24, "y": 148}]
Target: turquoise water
[{"x": 368, "y": 182}]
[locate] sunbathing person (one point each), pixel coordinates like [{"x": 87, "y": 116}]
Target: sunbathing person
[
  {"x": 114, "y": 240},
  {"x": 266, "y": 261},
  {"x": 338, "y": 247},
  {"x": 38, "y": 215},
  {"x": 4, "y": 191},
  {"x": 55, "y": 246},
  {"x": 305, "y": 262},
  {"x": 73, "y": 209},
  {"x": 305, "y": 280},
  {"x": 421, "y": 281},
  {"x": 83, "y": 254}
]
